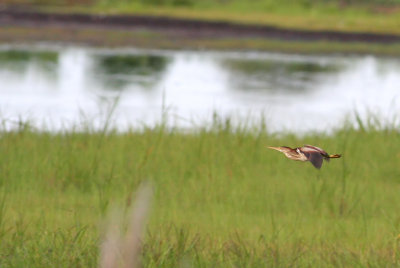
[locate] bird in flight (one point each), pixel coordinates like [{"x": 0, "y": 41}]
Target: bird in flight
[{"x": 306, "y": 153}]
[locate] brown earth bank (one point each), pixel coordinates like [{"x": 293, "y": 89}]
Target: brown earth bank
[{"x": 185, "y": 28}]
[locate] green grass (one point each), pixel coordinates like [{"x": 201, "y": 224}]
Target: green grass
[
  {"x": 380, "y": 16},
  {"x": 221, "y": 198},
  {"x": 366, "y": 16},
  {"x": 147, "y": 39},
  {"x": 313, "y": 15}
]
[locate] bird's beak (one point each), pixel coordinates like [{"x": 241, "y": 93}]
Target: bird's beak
[{"x": 274, "y": 148}]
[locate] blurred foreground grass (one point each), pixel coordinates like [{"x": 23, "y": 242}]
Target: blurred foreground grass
[{"x": 221, "y": 198}]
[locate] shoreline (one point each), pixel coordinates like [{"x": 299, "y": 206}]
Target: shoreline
[
  {"x": 187, "y": 27},
  {"x": 152, "y": 32}
]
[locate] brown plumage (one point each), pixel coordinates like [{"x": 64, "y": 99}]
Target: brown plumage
[{"x": 306, "y": 153}]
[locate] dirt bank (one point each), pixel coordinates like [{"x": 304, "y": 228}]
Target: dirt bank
[{"x": 184, "y": 28}]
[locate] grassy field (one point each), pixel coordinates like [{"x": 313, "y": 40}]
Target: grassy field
[
  {"x": 221, "y": 198},
  {"x": 382, "y": 16},
  {"x": 365, "y": 16},
  {"x": 377, "y": 16},
  {"x": 147, "y": 39}
]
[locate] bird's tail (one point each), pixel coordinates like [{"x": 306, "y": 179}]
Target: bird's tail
[{"x": 335, "y": 156}]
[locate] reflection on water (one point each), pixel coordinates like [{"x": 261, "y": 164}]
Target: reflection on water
[
  {"x": 58, "y": 86},
  {"x": 266, "y": 74},
  {"x": 119, "y": 71},
  {"x": 22, "y": 57},
  {"x": 15, "y": 62}
]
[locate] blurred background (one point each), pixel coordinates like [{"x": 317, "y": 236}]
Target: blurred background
[
  {"x": 97, "y": 96},
  {"x": 296, "y": 65}
]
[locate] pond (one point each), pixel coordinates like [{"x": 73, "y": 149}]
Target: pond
[{"x": 61, "y": 87}]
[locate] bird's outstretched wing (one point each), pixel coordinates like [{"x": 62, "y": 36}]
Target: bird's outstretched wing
[
  {"x": 314, "y": 148},
  {"x": 310, "y": 148},
  {"x": 314, "y": 157}
]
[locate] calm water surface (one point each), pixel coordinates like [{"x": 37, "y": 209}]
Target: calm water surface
[{"x": 60, "y": 87}]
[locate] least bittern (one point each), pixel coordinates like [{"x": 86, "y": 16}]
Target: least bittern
[{"x": 306, "y": 153}]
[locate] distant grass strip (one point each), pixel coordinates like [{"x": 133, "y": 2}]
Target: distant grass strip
[
  {"x": 221, "y": 198},
  {"x": 148, "y": 39},
  {"x": 313, "y": 17},
  {"x": 348, "y": 16}
]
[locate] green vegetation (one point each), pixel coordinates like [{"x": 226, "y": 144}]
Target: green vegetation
[
  {"x": 221, "y": 198},
  {"x": 146, "y": 39},
  {"x": 378, "y": 16},
  {"x": 315, "y": 15},
  {"x": 342, "y": 15}
]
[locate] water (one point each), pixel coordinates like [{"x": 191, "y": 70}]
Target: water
[{"x": 64, "y": 87}]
